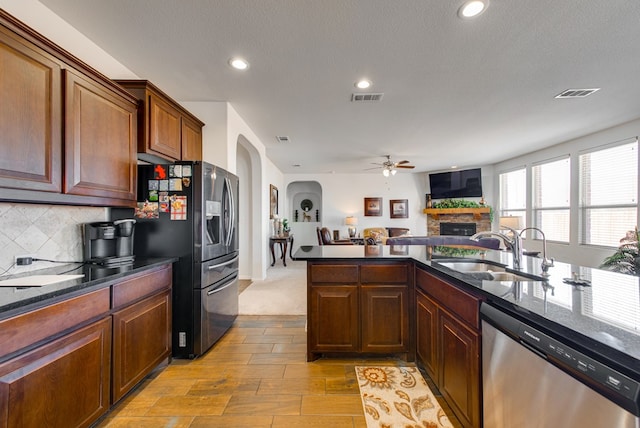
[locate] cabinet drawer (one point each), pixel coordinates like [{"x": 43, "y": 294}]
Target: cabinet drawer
[
  {"x": 26, "y": 329},
  {"x": 141, "y": 286},
  {"x": 384, "y": 274},
  {"x": 337, "y": 274},
  {"x": 465, "y": 306}
]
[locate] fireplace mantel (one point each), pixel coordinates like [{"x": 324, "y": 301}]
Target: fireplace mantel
[{"x": 437, "y": 212}]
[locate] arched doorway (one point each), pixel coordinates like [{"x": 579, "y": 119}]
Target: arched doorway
[{"x": 304, "y": 210}]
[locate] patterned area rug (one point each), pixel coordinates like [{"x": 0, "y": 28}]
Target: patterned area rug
[{"x": 398, "y": 397}]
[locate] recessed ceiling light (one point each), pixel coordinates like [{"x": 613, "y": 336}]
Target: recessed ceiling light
[
  {"x": 239, "y": 63},
  {"x": 472, "y": 8},
  {"x": 454, "y": 166},
  {"x": 363, "y": 84}
]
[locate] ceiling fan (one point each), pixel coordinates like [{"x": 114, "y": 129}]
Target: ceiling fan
[{"x": 390, "y": 167}]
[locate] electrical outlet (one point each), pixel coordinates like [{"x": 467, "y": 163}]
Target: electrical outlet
[{"x": 24, "y": 259}]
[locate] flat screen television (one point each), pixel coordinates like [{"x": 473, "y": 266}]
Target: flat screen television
[{"x": 456, "y": 184}]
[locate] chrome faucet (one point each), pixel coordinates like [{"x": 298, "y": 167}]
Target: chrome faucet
[
  {"x": 514, "y": 244},
  {"x": 546, "y": 263}
]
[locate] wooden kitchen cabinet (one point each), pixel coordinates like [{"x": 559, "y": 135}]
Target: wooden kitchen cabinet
[
  {"x": 100, "y": 141},
  {"x": 30, "y": 116},
  {"x": 141, "y": 328},
  {"x": 165, "y": 129},
  {"x": 62, "y": 384},
  {"x": 358, "y": 308},
  {"x": 140, "y": 341},
  {"x": 68, "y": 133},
  {"x": 448, "y": 343}
]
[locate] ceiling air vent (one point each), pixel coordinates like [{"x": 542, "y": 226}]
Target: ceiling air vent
[
  {"x": 356, "y": 98},
  {"x": 576, "y": 93},
  {"x": 282, "y": 139}
]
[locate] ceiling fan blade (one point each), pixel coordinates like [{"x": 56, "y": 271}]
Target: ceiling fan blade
[
  {"x": 375, "y": 167},
  {"x": 401, "y": 162},
  {"x": 405, "y": 166}
]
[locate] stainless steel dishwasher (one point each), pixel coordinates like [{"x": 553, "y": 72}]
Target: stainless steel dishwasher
[{"x": 531, "y": 379}]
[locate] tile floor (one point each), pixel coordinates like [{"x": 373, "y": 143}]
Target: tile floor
[{"x": 255, "y": 376}]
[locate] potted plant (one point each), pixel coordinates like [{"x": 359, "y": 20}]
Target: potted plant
[
  {"x": 627, "y": 258},
  {"x": 285, "y": 227}
]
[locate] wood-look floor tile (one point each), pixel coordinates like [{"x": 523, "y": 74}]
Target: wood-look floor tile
[
  {"x": 224, "y": 385},
  {"x": 290, "y": 347},
  {"x": 134, "y": 405},
  {"x": 359, "y": 422},
  {"x": 222, "y": 358},
  {"x": 193, "y": 371},
  {"x": 264, "y": 404},
  {"x": 191, "y": 405},
  {"x": 275, "y": 358},
  {"x": 342, "y": 385},
  {"x": 274, "y": 338},
  {"x": 292, "y": 386},
  {"x": 232, "y": 421},
  {"x": 255, "y": 371},
  {"x": 347, "y": 405},
  {"x": 284, "y": 330},
  {"x": 313, "y": 370},
  {"x": 148, "y": 422},
  {"x": 300, "y": 338},
  {"x": 245, "y": 331},
  {"x": 161, "y": 387},
  {"x": 313, "y": 421},
  {"x": 244, "y": 348}
]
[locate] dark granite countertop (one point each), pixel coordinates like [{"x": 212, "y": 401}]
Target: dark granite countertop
[
  {"x": 14, "y": 300},
  {"x": 602, "y": 318}
]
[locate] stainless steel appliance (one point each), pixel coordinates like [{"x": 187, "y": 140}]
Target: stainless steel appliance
[
  {"x": 109, "y": 243},
  {"x": 531, "y": 379},
  {"x": 191, "y": 212}
]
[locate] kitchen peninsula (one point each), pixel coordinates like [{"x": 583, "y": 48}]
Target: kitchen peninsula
[{"x": 405, "y": 301}]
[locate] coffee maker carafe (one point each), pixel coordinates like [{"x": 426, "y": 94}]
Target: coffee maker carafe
[{"x": 109, "y": 243}]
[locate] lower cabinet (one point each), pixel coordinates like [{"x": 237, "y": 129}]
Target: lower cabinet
[
  {"x": 140, "y": 341},
  {"x": 358, "y": 308},
  {"x": 448, "y": 344},
  {"x": 62, "y": 384}
]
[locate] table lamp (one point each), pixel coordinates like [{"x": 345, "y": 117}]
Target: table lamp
[
  {"x": 351, "y": 222},
  {"x": 511, "y": 222}
]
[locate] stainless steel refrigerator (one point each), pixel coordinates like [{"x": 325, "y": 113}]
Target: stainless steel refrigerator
[{"x": 189, "y": 210}]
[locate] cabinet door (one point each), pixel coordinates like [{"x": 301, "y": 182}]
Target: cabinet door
[
  {"x": 164, "y": 128},
  {"x": 191, "y": 140},
  {"x": 460, "y": 369},
  {"x": 333, "y": 319},
  {"x": 62, "y": 384},
  {"x": 427, "y": 334},
  {"x": 141, "y": 341},
  {"x": 30, "y": 117},
  {"x": 385, "y": 319},
  {"x": 100, "y": 141}
]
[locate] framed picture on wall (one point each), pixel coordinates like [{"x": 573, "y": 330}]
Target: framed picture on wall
[
  {"x": 373, "y": 207},
  {"x": 399, "y": 208},
  {"x": 273, "y": 201}
]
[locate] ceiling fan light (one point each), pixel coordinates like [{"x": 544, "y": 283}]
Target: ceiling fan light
[
  {"x": 385, "y": 172},
  {"x": 393, "y": 172}
]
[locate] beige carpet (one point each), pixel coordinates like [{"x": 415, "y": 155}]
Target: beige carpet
[
  {"x": 398, "y": 397},
  {"x": 283, "y": 292}
]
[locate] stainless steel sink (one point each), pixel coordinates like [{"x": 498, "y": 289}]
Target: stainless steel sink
[{"x": 486, "y": 271}]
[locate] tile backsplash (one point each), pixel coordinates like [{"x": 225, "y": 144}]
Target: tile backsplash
[{"x": 50, "y": 232}]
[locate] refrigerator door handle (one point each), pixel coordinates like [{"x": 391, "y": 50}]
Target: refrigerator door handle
[
  {"x": 226, "y": 285},
  {"x": 228, "y": 262},
  {"x": 231, "y": 207}
]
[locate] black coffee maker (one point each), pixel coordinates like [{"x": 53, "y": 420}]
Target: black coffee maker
[{"x": 109, "y": 243}]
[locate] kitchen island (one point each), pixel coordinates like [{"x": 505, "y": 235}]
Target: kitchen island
[{"x": 600, "y": 318}]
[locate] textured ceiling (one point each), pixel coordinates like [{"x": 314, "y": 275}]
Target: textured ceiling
[{"x": 468, "y": 93}]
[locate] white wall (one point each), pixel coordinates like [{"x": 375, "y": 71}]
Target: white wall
[{"x": 584, "y": 255}]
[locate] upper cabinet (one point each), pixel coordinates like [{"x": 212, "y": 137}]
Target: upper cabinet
[
  {"x": 166, "y": 131},
  {"x": 68, "y": 134}
]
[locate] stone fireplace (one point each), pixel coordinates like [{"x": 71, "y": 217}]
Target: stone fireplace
[{"x": 457, "y": 221}]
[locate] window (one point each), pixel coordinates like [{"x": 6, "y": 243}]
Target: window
[
  {"x": 513, "y": 193},
  {"x": 608, "y": 193},
  {"x": 550, "y": 192}
]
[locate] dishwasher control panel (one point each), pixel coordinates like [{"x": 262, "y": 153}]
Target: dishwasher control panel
[{"x": 573, "y": 359}]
